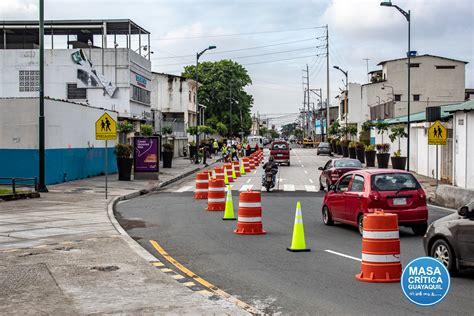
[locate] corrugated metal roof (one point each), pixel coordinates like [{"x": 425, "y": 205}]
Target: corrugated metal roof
[
  {"x": 466, "y": 106},
  {"x": 421, "y": 116}
]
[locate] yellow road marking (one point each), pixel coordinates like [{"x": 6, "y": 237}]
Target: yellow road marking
[
  {"x": 203, "y": 282},
  {"x": 166, "y": 270},
  {"x": 178, "y": 277},
  {"x": 158, "y": 264}
]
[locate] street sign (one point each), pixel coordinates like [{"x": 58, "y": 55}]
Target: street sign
[
  {"x": 105, "y": 128},
  {"x": 437, "y": 134}
]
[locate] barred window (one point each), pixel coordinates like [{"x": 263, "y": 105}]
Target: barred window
[
  {"x": 140, "y": 95},
  {"x": 73, "y": 92},
  {"x": 29, "y": 80}
]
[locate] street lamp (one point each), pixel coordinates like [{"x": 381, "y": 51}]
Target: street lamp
[
  {"x": 197, "y": 100},
  {"x": 407, "y": 17},
  {"x": 345, "y": 94},
  {"x": 41, "y": 126}
]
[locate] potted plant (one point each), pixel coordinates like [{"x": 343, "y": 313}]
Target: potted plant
[
  {"x": 383, "y": 155},
  {"x": 123, "y": 152},
  {"x": 124, "y": 128},
  {"x": 345, "y": 150},
  {"x": 397, "y": 133},
  {"x": 352, "y": 149},
  {"x": 338, "y": 147},
  {"x": 370, "y": 155},
  {"x": 146, "y": 130},
  {"x": 167, "y": 130},
  {"x": 167, "y": 155},
  {"x": 360, "y": 151}
]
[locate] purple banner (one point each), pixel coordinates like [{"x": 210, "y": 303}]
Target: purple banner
[{"x": 146, "y": 154}]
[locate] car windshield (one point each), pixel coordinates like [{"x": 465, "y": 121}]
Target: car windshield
[
  {"x": 324, "y": 145},
  {"x": 394, "y": 182},
  {"x": 280, "y": 147},
  {"x": 347, "y": 163}
]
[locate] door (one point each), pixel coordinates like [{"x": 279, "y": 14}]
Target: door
[
  {"x": 338, "y": 205},
  {"x": 324, "y": 173},
  {"x": 353, "y": 198},
  {"x": 466, "y": 241}
]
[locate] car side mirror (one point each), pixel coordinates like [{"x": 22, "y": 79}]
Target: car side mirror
[{"x": 320, "y": 168}]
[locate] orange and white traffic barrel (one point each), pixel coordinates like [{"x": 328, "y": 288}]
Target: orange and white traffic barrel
[
  {"x": 252, "y": 162},
  {"x": 246, "y": 162},
  {"x": 236, "y": 166},
  {"x": 380, "y": 248},
  {"x": 219, "y": 171},
  {"x": 228, "y": 168},
  {"x": 216, "y": 195},
  {"x": 249, "y": 220},
  {"x": 202, "y": 184}
]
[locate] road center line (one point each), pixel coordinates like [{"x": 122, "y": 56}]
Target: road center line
[
  {"x": 342, "y": 255},
  {"x": 302, "y": 166},
  {"x": 248, "y": 181},
  {"x": 306, "y": 172},
  {"x": 310, "y": 180}
]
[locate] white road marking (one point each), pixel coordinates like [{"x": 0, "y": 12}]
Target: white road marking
[
  {"x": 246, "y": 187},
  {"x": 310, "y": 180},
  {"x": 302, "y": 166},
  {"x": 288, "y": 187},
  {"x": 184, "y": 189},
  {"x": 300, "y": 187},
  {"x": 343, "y": 255},
  {"x": 310, "y": 188},
  {"x": 306, "y": 172},
  {"x": 255, "y": 172},
  {"x": 248, "y": 181}
]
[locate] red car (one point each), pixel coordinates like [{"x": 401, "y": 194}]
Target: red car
[
  {"x": 280, "y": 150},
  {"x": 334, "y": 169},
  {"x": 360, "y": 192}
]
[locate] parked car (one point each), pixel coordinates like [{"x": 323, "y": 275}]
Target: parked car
[
  {"x": 359, "y": 192},
  {"x": 451, "y": 239},
  {"x": 324, "y": 148},
  {"x": 334, "y": 169},
  {"x": 280, "y": 150}
]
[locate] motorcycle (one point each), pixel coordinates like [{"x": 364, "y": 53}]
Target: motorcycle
[{"x": 267, "y": 181}]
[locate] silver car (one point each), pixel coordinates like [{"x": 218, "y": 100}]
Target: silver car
[{"x": 324, "y": 148}]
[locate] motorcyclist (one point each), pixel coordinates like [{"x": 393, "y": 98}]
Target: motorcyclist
[{"x": 271, "y": 166}]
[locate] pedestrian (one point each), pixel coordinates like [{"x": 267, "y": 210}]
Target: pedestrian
[{"x": 215, "y": 145}]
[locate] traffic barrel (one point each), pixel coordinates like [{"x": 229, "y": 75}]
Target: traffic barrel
[
  {"x": 216, "y": 195},
  {"x": 236, "y": 166},
  {"x": 249, "y": 217},
  {"x": 380, "y": 248},
  {"x": 202, "y": 183},
  {"x": 228, "y": 168},
  {"x": 246, "y": 163},
  {"x": 219, "y": 171},
  {"x": 252, "y": 162}
]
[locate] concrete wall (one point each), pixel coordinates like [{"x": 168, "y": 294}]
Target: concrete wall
[
  {"x": 463, "y": 149},
  {"x": 71, "y": 149}
]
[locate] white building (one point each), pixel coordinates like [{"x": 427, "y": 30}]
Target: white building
[
  {"x": 357, "y": 111},
  {"x": 175, "y": 98}
]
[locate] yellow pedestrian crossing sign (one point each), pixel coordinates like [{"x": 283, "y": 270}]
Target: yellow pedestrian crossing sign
[
  {"x": 437, "y": 134},
  {"x": 105, "y": 128}
]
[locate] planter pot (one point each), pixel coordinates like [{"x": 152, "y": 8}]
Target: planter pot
[
  {"x": 360, "y": 154},
  {"x": 352, "y": 153},
  {"x": 339, "y": 149},
  {"x": 382, "y": 160},
  {"x": 370, "y": 158},
  {"x": 399, "y": 162},
  {"x": 345, "y": 151},
  {"x": 124, "y": 166},
  {"x": 167, "y": 159}
]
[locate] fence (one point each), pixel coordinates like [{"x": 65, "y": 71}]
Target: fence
[{"x": 21, "y": 182}]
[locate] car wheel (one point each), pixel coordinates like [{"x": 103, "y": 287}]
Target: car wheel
[
  {"x": 442, "y": 252},
  {"x": 419, "y": 230},
  {"x": 327, "y": 219},
  {"x": 360, "y": 224},
  {"x": 288, "y": 163}
]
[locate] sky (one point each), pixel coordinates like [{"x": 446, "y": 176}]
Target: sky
[{"x": 276, "y": 39}]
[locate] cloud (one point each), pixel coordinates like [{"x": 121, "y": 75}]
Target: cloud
[{"x": 18, "y": 9}]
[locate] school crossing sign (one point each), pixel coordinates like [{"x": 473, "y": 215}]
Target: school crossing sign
[
  {"x": 437, "y": 134},
  {"x": 105, "y": 128}
]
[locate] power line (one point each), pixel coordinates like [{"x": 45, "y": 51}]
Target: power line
[
  {"x": 277, "y": 60},
  {"x": 239, "y": 49},
  {"x": 238, "y": 34}
]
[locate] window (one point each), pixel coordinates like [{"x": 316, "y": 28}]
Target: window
[
  {"x": 73, "y": 92},
  {"x": 140, "y": 95},
  {"x": 414, "y": 65},
  {"x": 344, "y": 183},
  {"x": 280, "y": 147},
  {"x": 357, "y": 184},
  {"x": 394, "y": 182},
  {"x": 328, "y": 165},
  {"x": 445, "y": 67},
  {"x": 416, "y": 97},
  {"x": 398, "y": 97},
  {"x": 347, "y": 163},
  {"x": 29, "y": 80}
]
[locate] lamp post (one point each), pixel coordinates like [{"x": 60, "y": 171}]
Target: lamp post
[
  {"x": 197, "y": 99},
  {"x": 41, "y": 142},
  {"x": 407, "y": 17},
  {"x": 345, "y": 94}
]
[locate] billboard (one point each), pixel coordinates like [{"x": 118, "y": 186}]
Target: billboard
[{"x": 146, "y": 153}]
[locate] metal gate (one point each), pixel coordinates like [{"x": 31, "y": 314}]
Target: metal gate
[{"x": 447, "y": 160}]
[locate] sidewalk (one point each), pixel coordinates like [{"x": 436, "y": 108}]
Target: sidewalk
[{"x": 61, "y": 254}]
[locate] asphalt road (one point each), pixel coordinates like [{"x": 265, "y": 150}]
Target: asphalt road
[{"x": 259, "y": 269}]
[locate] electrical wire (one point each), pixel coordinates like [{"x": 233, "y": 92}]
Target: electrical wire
[{"x": 277, "y": 60}]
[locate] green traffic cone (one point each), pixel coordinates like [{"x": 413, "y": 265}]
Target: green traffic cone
[
  {"x": 226, "y": 178},
  {"x": 242, "y": 169},
  {"x": 229, "y": 207},
  {"x": 298, "y": 243}
]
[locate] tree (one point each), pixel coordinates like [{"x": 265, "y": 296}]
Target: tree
[
  {"x": 221, "y": 128},
  {"x": 223, "y": 84},
  {"x": 397, "y": 133},
  {"x": 381, "y": 127},
  {"x": 263, "y": 131},
  {"x": 273, "y": 133}
]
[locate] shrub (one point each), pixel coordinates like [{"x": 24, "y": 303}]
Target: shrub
[
  {"x": 383, "y": 148},
  {"x": 360, "y": 146},
  {"x": 125, "y": 127},
  {"x": 352, "y": 145},
  {"x": 168, "y": 147},
  {"x": 146, "y": 129},
  {"x": 123, "y": 150},
  {"x": 370, "y": 147},
  {"x": 166, "y": 130}
]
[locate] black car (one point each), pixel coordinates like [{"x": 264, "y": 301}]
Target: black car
[
  {"x": 451, "y": 239},
  {"x": 324, "y": 148}
]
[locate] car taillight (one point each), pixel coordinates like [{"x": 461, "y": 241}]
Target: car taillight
[
  {"x": 334, "y": 175},
  {"x": 421, "y": 194},
  {"x": 374, "y": 196}
]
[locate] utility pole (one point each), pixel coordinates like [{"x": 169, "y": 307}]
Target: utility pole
[
  {"x": 230, "y": 108},
  {"x": 41, "y": 125},
  {"x": 327, "y": 80},
  {"x": 307, "y": 99},
  {"x": 307, "y": 90},
  {"x": 367, "y": 65}
]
